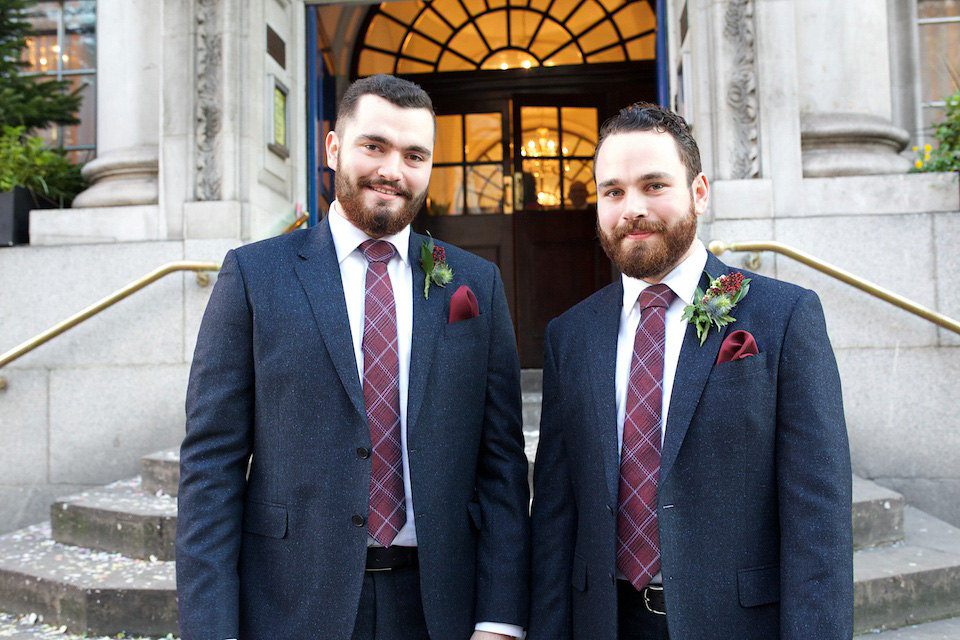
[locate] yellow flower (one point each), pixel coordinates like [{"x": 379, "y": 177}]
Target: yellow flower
[
  {"x": 919, "y": 164},
  {"x": 915, "y": 148},
  {"x": 927, "y": 148},
  {"x": 926, "y": 156}
]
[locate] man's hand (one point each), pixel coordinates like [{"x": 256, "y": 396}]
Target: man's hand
[{"x": 486, "y": 635}]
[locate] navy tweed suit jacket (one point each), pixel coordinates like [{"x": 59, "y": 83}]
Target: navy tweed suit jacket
[
  {"x": 271, "y": 476},
  {"x": 755, "y": 479}
]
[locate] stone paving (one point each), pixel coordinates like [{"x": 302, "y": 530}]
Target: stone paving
[{"x": 31, "y": 627}]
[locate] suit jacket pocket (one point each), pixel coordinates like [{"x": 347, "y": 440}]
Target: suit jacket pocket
[
  {"x": 759, "y": 585},
  {"x": 465, "y": 327},
  {"x": 579, "y": 575},
  {"x": 265, "y": 519},
  {"x": 739, "y": 368},
  {"x": 476, "y": 516}
]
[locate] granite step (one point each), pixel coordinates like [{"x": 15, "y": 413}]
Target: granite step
[
  {"x": 160, "y": 472},
  {"x": 118, "y": 518},
  {"x": 940, "y": 630},
  {"x": 88, "y": 591},
  {"x": 877, "y": 515},
  {"x": 910, "y": 582}
]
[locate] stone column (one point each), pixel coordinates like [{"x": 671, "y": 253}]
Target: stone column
[
  {"x": 128, "y": 106},
  {"x": 843, "y": 65}
]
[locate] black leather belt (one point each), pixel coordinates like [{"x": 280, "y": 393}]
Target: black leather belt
[
  {"x": 649, "y": 598},
  {"x": 390, "y": 558}
]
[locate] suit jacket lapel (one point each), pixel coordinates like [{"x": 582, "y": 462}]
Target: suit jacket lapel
[
  {"x": 319, "y": 274},
  {"x": 428, "y": 322},
  {"x": 693, "y": 369},
  {"x": 599, "y": 342}
]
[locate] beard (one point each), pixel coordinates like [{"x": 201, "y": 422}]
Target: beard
[
  {"x": 654, "y": 258},
  {"x": 380, "y": 220}
]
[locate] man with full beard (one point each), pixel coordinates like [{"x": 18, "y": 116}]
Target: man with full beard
[
  {"x": 353, "y": 467},
  {"x": 693, "y": 474}
]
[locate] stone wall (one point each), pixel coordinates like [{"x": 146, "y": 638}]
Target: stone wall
[
  {"x": 899, "y": 372},
  {"x": 80, "y": 410}
]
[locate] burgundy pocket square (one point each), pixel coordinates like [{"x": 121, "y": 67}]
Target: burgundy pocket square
[
  {"x": 737, "y": 346},
  {"x": 463, "y": 305}
]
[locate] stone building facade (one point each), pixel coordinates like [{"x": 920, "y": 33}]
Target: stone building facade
[{"x": 210, "y": 114}]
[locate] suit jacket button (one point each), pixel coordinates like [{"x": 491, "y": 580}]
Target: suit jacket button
[
  {"x": 358, "y": 520},
  {"x": 363, "y": 453}
]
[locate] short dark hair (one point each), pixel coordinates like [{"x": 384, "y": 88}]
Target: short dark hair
[
  {"x": 397, "y": 91},
  {"x": 645, "y": 116}
]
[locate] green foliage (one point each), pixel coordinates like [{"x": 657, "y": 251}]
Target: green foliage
[
  {"x": 27, "y": 164},
  {"x": 946, "y": 156},
  {"x": 34, "y": 102}
]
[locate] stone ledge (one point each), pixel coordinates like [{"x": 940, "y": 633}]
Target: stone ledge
[
  {"x": 881, "y": 195},
  {"x": 95, "y": 225}
]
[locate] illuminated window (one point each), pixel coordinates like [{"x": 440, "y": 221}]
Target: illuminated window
[
  {"x": 939, "y": 26},
  {"x": 470, "y": 35},
  {"x": 64, "y": 48}
]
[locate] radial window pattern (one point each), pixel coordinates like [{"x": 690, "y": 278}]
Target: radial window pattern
[{"x": 469, "y": 35}]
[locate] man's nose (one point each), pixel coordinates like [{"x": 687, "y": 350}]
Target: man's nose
[
  {"x": 389, "y": 168},
  {"x": 635, "y": 205}
]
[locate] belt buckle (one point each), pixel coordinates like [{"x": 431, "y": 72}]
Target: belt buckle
[{"x": 646, "y": 599}]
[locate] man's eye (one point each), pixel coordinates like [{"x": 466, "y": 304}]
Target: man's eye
[
  {"x": 415, "y": 158},
  {"x": 657, "y": 186},
  {"x": 614, "y": 193}
]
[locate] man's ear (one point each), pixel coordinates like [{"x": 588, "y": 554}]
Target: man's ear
[
  {"x": 332, "y": 146},
  {"x": 700, "y": 192}
]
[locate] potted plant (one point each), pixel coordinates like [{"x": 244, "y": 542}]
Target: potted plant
[{"x": 31, "y": 177}]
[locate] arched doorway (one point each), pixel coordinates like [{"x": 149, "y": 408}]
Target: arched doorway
[{"x": 520, "y": 88}]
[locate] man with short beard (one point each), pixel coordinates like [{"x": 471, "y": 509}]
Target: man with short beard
[
  {"x": 353, "y": 467},
  {"x": 693, "y": 475}
]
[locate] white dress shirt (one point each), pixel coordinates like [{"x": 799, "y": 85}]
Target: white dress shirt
[
  {"x": 683, "y": 281},
  {"x": 353, "y": 273}
]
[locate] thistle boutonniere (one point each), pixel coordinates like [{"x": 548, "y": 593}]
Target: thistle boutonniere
[
  {"x": 714, "y": 306},
  {"x": 434, "y": 262}
]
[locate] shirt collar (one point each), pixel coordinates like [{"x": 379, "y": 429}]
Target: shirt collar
[
  {"x": 682, "y": 280},
  {"x": 346, "y": 237}
]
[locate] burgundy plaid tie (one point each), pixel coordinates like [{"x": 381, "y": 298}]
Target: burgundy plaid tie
[
  {"x": 381, "y": 394},
  {"x": 638, "y": 540}
]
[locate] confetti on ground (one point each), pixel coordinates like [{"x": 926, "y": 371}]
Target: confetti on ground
[{"x": 31, "y": 627}]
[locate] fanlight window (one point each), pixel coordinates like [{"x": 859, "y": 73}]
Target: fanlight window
[{"x": 469, "y": 35}]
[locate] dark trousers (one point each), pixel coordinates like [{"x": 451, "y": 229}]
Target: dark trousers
[
  {"x": 634, "y": 620},
  {"x": 391, "y": 607}
]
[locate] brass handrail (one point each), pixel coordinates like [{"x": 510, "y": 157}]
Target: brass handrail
[
  {"x": 717, "y": 247},
  {"x": 171, "y": 267}
]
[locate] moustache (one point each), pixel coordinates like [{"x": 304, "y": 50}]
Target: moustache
[
  {"x": 639, "y": 226},
  {"x": 364, "y": 182}
]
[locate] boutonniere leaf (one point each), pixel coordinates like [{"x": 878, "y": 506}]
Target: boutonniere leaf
[
  {"x": 714, "y": 306},
  {"x": 434, "y": 262}
]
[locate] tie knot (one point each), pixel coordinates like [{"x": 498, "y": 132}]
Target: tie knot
[
  {"x": 658, "y": 295},
  {"x": 377, "y": 250}
]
